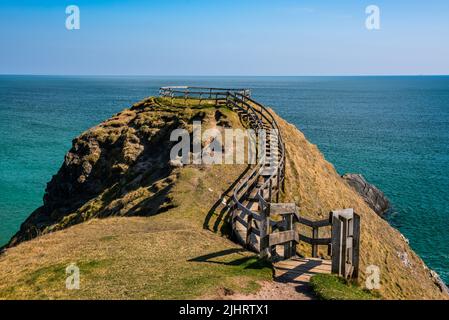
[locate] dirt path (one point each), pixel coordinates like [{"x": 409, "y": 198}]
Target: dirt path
[{"x": 272, "y": 290}]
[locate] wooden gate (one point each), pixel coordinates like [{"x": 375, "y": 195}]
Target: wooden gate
[{"x": 345, "y": 243}]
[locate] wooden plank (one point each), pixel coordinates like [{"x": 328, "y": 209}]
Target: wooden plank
[
  {"x": 302, "y": 267},
  {"x": 283, "y": 208},
  {"x": 345, "y": 213},
  {"x": 264, "y": 225},
  {"x": 257, "y": 216},
  {"x": 336, "y": 244},
  {"x": 256, "y": 231},
  {"x": 282, "y": 237},
  {"x": 239, "y": 219},
  {"x": 314, "y": 245},
  {"x": 293, "y": 273},
  {"x": 244, "y": 209},
  {"x": 308, "y": 259},
  {"x": 356, "y": 246},
  {"x": 288, "y": 246},
  {"x": 322, "y": 223},
  {"x": 319, "y": 241},
  {"x": 295, "y": 228},
  {"x": 343, "y": 245},
  {"x": 314, "y": 224},
  {"x": 248, "y": 231},
  {"x": 305, "y": 221},
  {"x": 277, "y": 184}
]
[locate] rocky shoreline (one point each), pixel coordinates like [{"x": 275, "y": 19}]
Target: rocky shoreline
[{"x": 374, "y": 197}]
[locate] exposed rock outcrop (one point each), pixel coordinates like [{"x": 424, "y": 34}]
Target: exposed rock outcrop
[
  {"x": 316, "y": 187},
  {"x": 375, "y": 198},
  {"x": 439, "y": 282},
  {"x": 120, "y": 167}
]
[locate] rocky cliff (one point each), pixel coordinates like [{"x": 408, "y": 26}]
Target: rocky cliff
[
  {"x": 121, "y": 168},
  {"x": 375, "y": 198},
  {"x": 317, "y": 188}
]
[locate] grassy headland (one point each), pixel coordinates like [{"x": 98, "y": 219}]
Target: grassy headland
[{"x": 140, "y": 228}]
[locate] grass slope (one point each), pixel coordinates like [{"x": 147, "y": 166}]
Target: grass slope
[
  {"x": 166, "y": 256},
  {"x": 331, "y": 287},
  {"x": 173, "y": 254},
  {"x": 316, "y": 187},
  {"x": 170, "y": 255}
]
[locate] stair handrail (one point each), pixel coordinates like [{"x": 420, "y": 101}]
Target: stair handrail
[{"x": 240, "y": 98}]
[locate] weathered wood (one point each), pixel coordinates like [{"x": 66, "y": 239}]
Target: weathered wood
[
  {"x": 345, "y": 243},
  {"x": 314, "y": 245},
  {"x": 249, "y": 230},
  {"x": 256, "y": 216},
  {"x": 295, "y": 228},
  {"x": 314, "y": 224},
  {"x": 346, "y": 213},
  {"x": 282, "y": 237},
  {"x": 240, "y": 220},
  {"x": 288, "y": 247},
  {"x": 282, "y": 208},
  {"x": 319, "y": 241},
  {"x": 264, "y": 224},
  {"x": 344, "y": 246},
  {"x": 336, "y": 241},
  {"x": 356, "y": 246},
  {"x": 255, "y": 220},
  {"x": 300, "y": 270},
  {"x": 277, "y": 183},
  {"x": 270, "y": 192}
]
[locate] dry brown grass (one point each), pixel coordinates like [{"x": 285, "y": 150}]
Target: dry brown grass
[
  {"x": 316, "y": 187},
  {"x": 158, "y": 257},
  {"x": 165, "y": 256}
]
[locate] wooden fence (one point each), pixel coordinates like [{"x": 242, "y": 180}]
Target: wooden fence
[{"x": 343, "y": 245}]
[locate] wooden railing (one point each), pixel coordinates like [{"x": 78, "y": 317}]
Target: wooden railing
[{"x": 343, "y": 245}]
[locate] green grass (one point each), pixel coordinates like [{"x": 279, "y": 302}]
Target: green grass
[
  {"x": 331, "y": 287},
  {"x": 179, "y": 253},
  {"x": 49, "y": 277}
]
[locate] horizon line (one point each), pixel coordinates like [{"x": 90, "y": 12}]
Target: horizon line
[{"x": 223, "y": 75}]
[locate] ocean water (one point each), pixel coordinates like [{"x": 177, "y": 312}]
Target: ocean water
[{"x": 393, "y": 130}]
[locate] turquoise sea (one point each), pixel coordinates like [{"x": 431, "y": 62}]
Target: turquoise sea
[{"x": 393, "y": 130}]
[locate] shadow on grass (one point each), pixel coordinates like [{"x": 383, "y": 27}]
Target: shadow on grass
[
  {"x": 223, "y": 215},
  {"x": 247, "y": 262}
]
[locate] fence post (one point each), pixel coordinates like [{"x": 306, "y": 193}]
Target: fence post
[
  {"x": 249, "y": 230},
  {"x": 278, "y": 183},
  {"x": 345, "y": 243},
  {"x": 356, "y": 245},
  {"x": 270, "y": 190},
  {"x": 288, "y": 246},
  {"x": 335, "y": 243},
  {"x": 343, "y": 246},
  {"x": 283, "y": 171},
  {"x": 264, "y": 224},
  {"x": 314, "y": 246}
]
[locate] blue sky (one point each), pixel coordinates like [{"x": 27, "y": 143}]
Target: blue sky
[{"x": 215, "y": 37}]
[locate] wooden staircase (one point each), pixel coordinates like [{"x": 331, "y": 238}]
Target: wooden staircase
[{"x": 259, "y": 221}]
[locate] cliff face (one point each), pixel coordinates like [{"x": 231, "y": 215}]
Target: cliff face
[
  {"x": 121, "y": 168},
  {"x": 375, "y": 198},
  {"x": 118, "y": 168},
  {"x": 155, "y": 243}
]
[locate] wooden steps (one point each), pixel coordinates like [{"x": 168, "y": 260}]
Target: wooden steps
[{"x": 300, "y": 270}]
